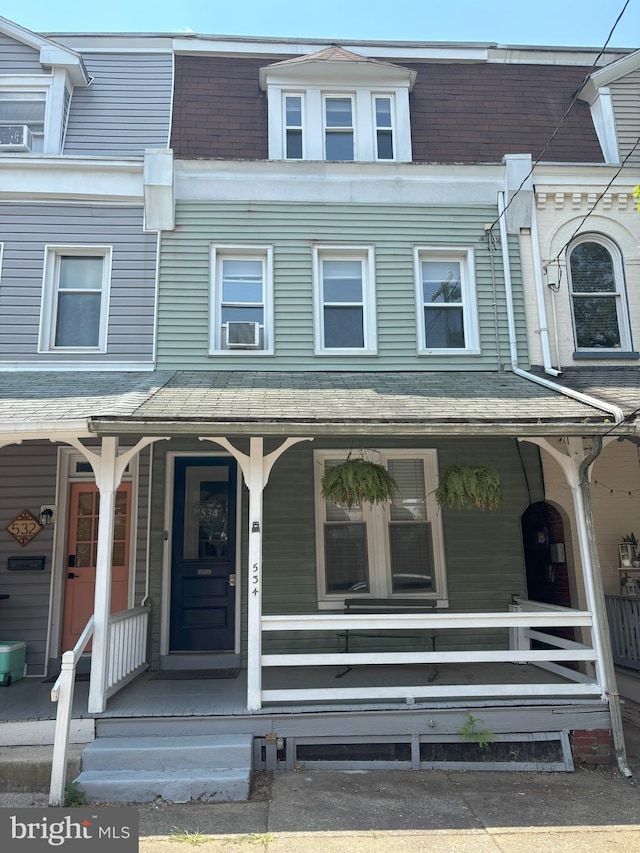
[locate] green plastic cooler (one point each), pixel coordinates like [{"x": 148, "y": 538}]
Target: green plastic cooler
[{"x": 12, "y": 665}]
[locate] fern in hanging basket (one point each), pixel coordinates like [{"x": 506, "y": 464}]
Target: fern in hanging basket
[
  {"x": 356, "y": 480},
  {"x": 469, "y": 487}
]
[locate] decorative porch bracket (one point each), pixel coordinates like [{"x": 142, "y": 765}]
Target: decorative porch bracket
[
  {"x": 576, "y": 465},
  {"x": 256, "y": 468},
  {"x": 108, "y": 468}
]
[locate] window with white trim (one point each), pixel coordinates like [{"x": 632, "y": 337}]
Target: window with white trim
[
  {"x": 446, "y": 301},
  {"x": 241, "y": 300},
  {"x": 22, "y": 117},
  {"x": 598, "y": 295},
  {"x": 339, "y": 142},
  {"x": 391, "y": 550},
  {"x": 350, "y": 124},
  {"x": 293, "y": 111},
  {"x": 344, "y": 300},
  {"x": 75, "y": 298}
]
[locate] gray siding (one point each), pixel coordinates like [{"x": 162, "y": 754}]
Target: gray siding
[
  {"x": 483, "y": 551},
  {"x": 26, "y": 229},
  {"x": 126, "y": 108},
  {"x": 18, "y": 58},
  {"x": 625, "y": 94},
  {"x": 28, "y": 481},
  {"x": 292, "y": 230}
]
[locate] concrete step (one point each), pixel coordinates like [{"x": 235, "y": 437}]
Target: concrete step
[
  {"x": 211, "y": 768},
  {"x": 28, "y": 768},
  {"x": 172, "y": 786}
]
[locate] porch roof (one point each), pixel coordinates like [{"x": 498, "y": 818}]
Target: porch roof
[
  {"x": 191, "y": 402},
  {"x": 619, "y": 385}
]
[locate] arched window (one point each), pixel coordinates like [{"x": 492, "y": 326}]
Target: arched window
[{"x": 598, "y": 298}]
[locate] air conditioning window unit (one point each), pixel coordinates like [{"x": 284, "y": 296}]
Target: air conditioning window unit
[
  {"x": 15, "y": 137},
  {"x": 243, "y": 335}
]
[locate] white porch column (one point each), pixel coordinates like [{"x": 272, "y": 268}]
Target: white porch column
[
  {"x": 256, "y": 469},
  {"x": 570, "y": 463},
  {"x": 108, "y": 468}
]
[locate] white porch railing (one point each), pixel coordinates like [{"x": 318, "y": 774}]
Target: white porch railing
[
  {"x": 524, "y": 622},
  {"x": 127, "y": 647},
  {"x": 623, "y": 612},
  {"x": 127, "y": 658}
]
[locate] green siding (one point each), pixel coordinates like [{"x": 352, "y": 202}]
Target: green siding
[
  {"x": 292, "y": 230},
  {"x": 484, "y": 557}
]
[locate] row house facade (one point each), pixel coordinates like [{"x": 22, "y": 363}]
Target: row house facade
[{"x": 347, "y": 250}]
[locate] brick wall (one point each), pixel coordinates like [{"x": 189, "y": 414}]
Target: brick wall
[{"x": 591, "y": 747}]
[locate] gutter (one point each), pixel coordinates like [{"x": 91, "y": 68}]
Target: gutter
[{"x": 615, "y": 411}]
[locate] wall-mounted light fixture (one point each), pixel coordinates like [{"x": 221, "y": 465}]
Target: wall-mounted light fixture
[{"x": 47, "y": 515}]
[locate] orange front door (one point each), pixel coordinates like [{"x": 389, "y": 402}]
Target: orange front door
[{"x": 82, "y": 543}]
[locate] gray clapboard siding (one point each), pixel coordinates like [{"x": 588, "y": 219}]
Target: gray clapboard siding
[
  {"x": 625, "y": 94},
  {"x": 28, "y": 481},
  {"x": 483, "y": 551},
  {"x": 18, "y": 58},
  {"x": 26, "y": 230},
  {"x": 292, "y": 230},
  {"x": 126, "y": 108}
]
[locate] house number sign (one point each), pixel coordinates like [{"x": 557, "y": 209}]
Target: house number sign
[{"x": 24, "y": 527}]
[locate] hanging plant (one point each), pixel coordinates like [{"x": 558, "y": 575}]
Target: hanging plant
[
  {"x": 356, "y": 480},
  {"x": 469, "y": 487}
]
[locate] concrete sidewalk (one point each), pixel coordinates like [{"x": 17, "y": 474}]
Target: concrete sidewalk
[{"x": 369, "y": 811}]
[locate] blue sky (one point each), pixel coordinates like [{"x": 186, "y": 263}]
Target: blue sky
[{"x": 547, "y": 22}]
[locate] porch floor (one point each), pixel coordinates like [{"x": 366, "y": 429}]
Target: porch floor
[{"x": 147, "y": 696}]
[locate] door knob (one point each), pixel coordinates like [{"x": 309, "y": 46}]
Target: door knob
[{"x": 232, "y": 579}]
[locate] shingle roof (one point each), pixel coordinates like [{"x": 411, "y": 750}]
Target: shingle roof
[
  {"x": 618, "y": 385},
  {"x": 274, "y": 399}
]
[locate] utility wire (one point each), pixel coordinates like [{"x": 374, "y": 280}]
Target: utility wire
[{"x": 566, "y": 113}]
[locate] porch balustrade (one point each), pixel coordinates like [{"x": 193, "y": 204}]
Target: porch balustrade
[
  {"x": 526, "y": 622},
  {"x": 623, "y": 612},
  {"x": 127, "y": 637}
]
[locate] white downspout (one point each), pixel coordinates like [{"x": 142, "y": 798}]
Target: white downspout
[
  {"x": 542, "y": 311},
  {"x": 615, "y": 411}
]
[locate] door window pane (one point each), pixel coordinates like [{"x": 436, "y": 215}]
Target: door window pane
[{"x": 206, "y": 512}]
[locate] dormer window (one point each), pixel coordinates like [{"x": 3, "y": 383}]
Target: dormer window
[
  {"x": 338, "y": 106},
  {"x": 22, "y": 117}
]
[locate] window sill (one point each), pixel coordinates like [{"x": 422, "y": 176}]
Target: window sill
[
  {"x": 243, "y": 353},
  {"x": 353, "y": 353},
  {"x": 447, "y": 352},
  {"x": 610, "y": 355}
]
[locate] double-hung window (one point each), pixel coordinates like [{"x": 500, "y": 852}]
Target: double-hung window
[
  {"x": 293, "y": 115},
  {"x": 387, "y": 550},
  {"x": 383, "y": 110},
  {"x": 241, "y": 299},
  {"x": 22, "y": 116},
  {"x": 75, "y": 298},
  {"x": 339, "y": 142},
  {"x": 598, "y": 297},
  {"x": 344, "y": 300},
  {"x": 446, "y": 301}
]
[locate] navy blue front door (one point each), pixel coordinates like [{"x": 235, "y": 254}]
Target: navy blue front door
[{"x": 203, "y": 555}]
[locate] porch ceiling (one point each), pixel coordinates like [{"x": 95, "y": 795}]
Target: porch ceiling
[{"x": 270, "y": 402}]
